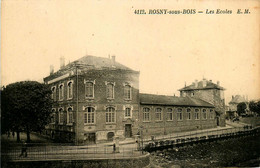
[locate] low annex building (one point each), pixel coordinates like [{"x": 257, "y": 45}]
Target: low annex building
[{"x": 98, "y": 98}]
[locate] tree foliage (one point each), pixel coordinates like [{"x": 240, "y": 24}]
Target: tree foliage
[
  {"x": 241, "y": 108},
  {"x": 254, "y": 106},
  {"x": 26, "y": 106}
]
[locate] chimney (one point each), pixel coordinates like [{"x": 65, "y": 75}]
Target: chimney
[
  {"x": 113, "y": 59},
  {"x": 210, "y": 80},
  {"x": 62, "y": 62},
  {"x": 204, "y": 82},
  {"x": 196, "y": 83},
  {"x": 51, "y": 69}
]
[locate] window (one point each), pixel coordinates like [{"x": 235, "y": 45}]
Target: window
[
  {"x": 188, "y": 114},
  {"x": 61, "y": 117},
  {"x": 197, "y": 115},
  {"x": 110, "y": 115},
  {"x": 179, "y": 114},
  {"x": 89, "y": 89},
  {"x": 53, "y": 116},
  {"x": 127, "y": 112},
  {"x": 158, "y": 114},
  {"x": 69, "y": 116},
  {"x": 146, "y": 114},
  {"x": 70, "y": 90},
  {"x": 89, "y": 115},
  {"x": 204, "y": 114},
  {"x": 192, "y": 94},
  {"x": 53, "y": 93},
  {"x": 61, "y": 92},
  {"x": 169, "y": 114},
  {"x": 110, "y": 90},
  {"x": 127, "y": 92},
  {"x": 211, "y": 114}
]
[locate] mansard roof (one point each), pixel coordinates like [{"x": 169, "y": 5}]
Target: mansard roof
[
  {"x": 152, "y": 99},
  {"x": 90, "y": 63},
  {"x": 94, "y": 62},
  {"x": 199, "y": 86}
]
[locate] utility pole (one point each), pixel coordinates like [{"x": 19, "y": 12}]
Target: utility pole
[{"x": 77, "y": 112}]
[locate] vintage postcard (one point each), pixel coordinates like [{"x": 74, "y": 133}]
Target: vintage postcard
[{"x": 155, "y": 83}]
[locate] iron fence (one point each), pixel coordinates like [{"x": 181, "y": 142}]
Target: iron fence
[{"x": 66, "y": 152}]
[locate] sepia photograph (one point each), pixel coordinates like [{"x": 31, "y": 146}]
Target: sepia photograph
[{"x": 133, "y": 84}]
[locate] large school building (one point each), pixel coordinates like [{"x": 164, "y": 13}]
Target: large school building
[{"x": 98, "y": 98}]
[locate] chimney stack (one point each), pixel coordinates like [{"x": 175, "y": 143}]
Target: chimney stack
[
  {"x": 204, "y": 82},
  {"x": 218, "y": 83},
  {"x": 196, "y": 83},
  {"x": 113, "y": 59},
  {"x": 51, "y": 69},
  {"x": 62, "y": 62}
]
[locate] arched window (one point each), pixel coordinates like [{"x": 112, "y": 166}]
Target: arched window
[
  {"x": 110, "y": 115},
  {"x": 53, "y": 115},
  {"x": 70, "y": 90},
  {"x": 53, "y": 93},
  {"x": 146, "y": 114},
  {"x": 89, "y": 89},
  {"x": 110, "y": 90},
  {"x": 158, "y": 114},
  {"x": 127, "y": 92},
  {"x": 70, "y": 116},
  {"x": 179, "y": 114},
  {"x": 169, "y": 114},
  {"x": 61, "y": 92},
  {"x": 61, "y": 117},
  {"x": 211, "y": 114},
  {"x": 188, "y": 114},
  {"x": 197, "y": 114},
  {"x": 204, "y": 114},
  {"x": 89, "y": 115}
]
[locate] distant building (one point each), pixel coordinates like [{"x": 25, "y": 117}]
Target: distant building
[
  {"x": 210, "y": 92},
  {"x": 235, "y": 101},
  {"x": 98, "y": 98}
]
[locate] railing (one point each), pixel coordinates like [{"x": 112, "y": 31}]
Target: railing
[
  {"x": 66, "y": 152},
  {"x": 192, "y": 134},
  {"x": 206, "y": 136}
]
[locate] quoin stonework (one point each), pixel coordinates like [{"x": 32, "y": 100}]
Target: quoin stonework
[{"x": 96, "y": 99}]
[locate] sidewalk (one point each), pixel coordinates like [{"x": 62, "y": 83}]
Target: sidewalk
[{"x": 168, "y": 136}]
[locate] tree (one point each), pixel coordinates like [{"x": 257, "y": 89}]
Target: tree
[
  {"x": 241, "y": 107},
  {"x": 254, "y": 106},
  {"x": 26, "y": 106}
]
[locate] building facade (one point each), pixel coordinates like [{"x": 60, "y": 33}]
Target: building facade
[
  {"x": 98, "y": 98},
  {"x": 210, "y": 92}
]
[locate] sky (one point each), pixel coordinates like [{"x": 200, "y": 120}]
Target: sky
[{"x": 168, "y": 50}]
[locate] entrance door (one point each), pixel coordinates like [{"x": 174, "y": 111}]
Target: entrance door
[
  {"x": 128, "y": 130},
  {"x": 217, "y": 121}
]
